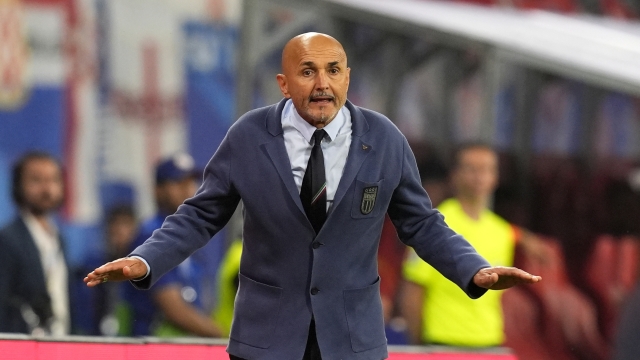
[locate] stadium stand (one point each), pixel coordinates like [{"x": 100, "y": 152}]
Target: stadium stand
[{"x": 555, "y": 314}]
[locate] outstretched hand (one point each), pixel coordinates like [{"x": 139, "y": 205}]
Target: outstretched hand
[
  {"x": 500, "y": 278},
  {"x": 117, "y": 270}
]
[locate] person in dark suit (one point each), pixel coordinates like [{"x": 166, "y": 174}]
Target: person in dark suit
[
  {"x": 316, "y": 176},
  {"x": 34, "y": 292}
]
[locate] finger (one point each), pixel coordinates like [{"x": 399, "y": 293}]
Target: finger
[
  {"x": 91, "y": 276},
  {"x": 525, "y": 277},
  {"x": 102, "y": 269},
  {"x": 516, "y": 274},
  {"x": 92, "y": 283}
]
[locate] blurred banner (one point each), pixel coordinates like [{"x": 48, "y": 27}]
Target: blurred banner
[
  {"x": 109, "y": 87},
  {"x": 32, "y": 84}
]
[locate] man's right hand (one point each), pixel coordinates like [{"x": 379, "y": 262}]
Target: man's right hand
[{"x": 117, "y": 270}]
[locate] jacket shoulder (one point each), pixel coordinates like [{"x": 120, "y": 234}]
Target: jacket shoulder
[
  {"x": 252, "y": 118},
  {"x": 13, "y": 233}
]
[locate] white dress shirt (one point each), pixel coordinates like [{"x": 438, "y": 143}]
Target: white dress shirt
[
  {"x": 335, "y": 146},
  {"x": 55, "y": 271}
]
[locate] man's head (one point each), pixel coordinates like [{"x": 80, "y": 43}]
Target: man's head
[
  {"x": 315, "y": 77},
  {"x": 175, "y": 182},
  {"x": 120, "y": 229},
  {"x": 37, "y": 183},
  {"x": 475, "y": 171}
]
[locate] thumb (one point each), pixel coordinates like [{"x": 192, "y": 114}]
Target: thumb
[
  {"x": 126, "y": 271},
  {"x": 486, "y": 279},
  {"x": 132, "y": 271}
]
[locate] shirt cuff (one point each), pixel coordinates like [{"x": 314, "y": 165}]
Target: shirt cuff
[{"x": 145, "y": 264}]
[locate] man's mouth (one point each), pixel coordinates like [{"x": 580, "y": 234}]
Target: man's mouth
[{"x": 322, "y": 100}]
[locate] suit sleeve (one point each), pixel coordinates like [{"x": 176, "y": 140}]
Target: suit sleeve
[
  {"x": 30, "y": 290},
  {"x": 195, "y": 222},
  {"x": 423, "y": 228},
  {"x": 5, "y": 284}
]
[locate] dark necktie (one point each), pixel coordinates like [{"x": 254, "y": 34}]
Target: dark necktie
[{"x": 314, "y": 185}]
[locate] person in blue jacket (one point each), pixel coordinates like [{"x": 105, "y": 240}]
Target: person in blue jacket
[{"x": 172, "y": 307}]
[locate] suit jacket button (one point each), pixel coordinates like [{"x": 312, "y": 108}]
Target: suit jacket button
[
  {"x": 316, "y": 244},
  {"x": 314, "y": 291}
]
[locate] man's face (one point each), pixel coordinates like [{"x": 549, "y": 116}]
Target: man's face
[
  {"x": 172, "y": 194},
  {"x": 42, "y": 186},
  {"x": 476, "y": 175},
  {"x": 316, "y": 77},
  {"x": 121, "y": 231}
]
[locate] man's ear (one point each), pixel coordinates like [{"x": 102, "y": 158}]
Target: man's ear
[{"x": 282, "y": 82}]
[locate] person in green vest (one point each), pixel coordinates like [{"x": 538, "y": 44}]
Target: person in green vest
[
  {"x": 227, "y": 286},
  {"x": 436, "y": 311}
]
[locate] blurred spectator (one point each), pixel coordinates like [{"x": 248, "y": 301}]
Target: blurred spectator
[
  {"x": 434, "y": 176},
  {"x": 120, "y": 230},
  {"x": 391, "y": 253},
  {"x": 34, "y": 282},
  {"x": 438, "y": 313},
  {"x": 110, "y": 314},
  {"x": 172, "y": 307},
  {"x": 228, "y": 282}
]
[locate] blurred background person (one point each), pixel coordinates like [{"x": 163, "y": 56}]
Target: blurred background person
[
  {"x": 437, "y": 313},
  {"x": 227, "y": 286},
  {"x": 107, "y": 312},
  {"x": 173, "y": 306},
  {"x": 391, "y": 252},
  {"x": 34, "y": 283},
  {"x": 120, "y": 230}
]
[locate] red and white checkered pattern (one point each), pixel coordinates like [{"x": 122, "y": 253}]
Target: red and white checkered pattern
[{"x": 13, "y": 54}]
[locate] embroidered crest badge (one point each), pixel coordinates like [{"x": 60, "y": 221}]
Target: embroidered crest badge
[{"x": 369, "y": 195}]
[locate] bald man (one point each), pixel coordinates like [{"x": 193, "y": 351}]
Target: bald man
[{"x": 316, "y": 175}]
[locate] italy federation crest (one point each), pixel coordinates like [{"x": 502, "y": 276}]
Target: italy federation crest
[{"x": 369, "y": 195}]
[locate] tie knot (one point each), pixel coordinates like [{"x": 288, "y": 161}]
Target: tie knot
[{"x": 318, "y": 135}]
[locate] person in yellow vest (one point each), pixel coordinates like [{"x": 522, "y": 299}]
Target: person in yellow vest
[
  {"x": 435, "y": 310},
  {"x": 227, "y": 285}
]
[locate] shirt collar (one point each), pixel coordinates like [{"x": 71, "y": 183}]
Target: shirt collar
[
  {"x": 307, "y": 130},
  {"x": 33, "y": 223}
]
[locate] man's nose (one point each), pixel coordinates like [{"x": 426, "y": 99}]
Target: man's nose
[{"x": 322, "y": 81}]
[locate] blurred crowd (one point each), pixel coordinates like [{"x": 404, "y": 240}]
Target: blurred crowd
[
  {"x": 568, "y": 316},
  {"x": 624, "y": 9}
]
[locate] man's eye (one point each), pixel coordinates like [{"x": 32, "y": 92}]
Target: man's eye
[
  {"x": 307, "y": 72},
  {"x": 334, "y": 71}
]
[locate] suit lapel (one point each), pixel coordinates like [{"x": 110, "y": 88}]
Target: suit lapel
[
  {"x": 358, "y": 152},
  {"x": 278, "y": 153},
  {"x": 31, "y": 252}
]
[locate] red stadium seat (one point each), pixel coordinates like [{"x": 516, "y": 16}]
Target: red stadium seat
[
  {"x": 522, "y": 326},
  {"x": 569, "y": 319},
  {"x": 629, "y": 256},
  {"x": 611, "y": 273}
]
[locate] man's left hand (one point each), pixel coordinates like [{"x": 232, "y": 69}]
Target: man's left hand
[{"x": 500, "y": 278}]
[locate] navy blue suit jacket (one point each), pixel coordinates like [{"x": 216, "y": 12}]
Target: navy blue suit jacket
[
  {"x": 22, "y": 279},
  {"x": 288, "y": 273}
]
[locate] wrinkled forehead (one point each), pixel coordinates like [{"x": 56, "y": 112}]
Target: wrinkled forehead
[
  {"x": 316, "y": 49},
  {"x": 41, "y": 165}
]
